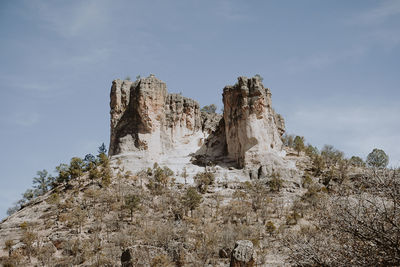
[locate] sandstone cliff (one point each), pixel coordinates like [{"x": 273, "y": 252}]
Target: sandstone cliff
[
  {"x": 251, "y": 125},
  {"x": 146, "y": 119}
]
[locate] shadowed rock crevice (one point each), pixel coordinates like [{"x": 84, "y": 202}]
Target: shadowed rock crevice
[{"x": 146, "y": 119}]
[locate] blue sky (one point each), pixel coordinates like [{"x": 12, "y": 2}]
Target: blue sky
[{"x": 332, "y": 66}]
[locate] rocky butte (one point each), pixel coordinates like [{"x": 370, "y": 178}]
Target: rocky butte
[
  {"x": 150, "y": 125},
  {"x": 134, "y": 219},
  {"x": 225, "y": 192}
]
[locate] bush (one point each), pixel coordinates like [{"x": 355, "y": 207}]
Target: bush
[
  {"x": 356, "y": 161},
  {"x": 276, "y": 183},
  {"x": 360, "y": 230},
  {"x": 162, "y": 175},
  {"x": 306, "y": 181},
  {"x": 331, "y": 155},
  {"x": 76, "y": 167},
  {"x": 270, "y": 227},
  {"x": 203, "y": 180},
  {"x": 132, "y": 202},
  {"x": 377, "y": 159},
  {"x": 299, "y": 144},
  {"x": 191, "y": 199},
  {"x": 288, "y": 140},
  {"x": 209, "y": 109}
]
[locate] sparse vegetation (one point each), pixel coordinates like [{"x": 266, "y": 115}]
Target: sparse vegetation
[
  {"x": 298, "y": 144},
  {"x": 104, "y": 209},
  {"x": 209, "y": 109},
  {"x": 377, "y": 159},
  {"x": 203, "y": 180}
]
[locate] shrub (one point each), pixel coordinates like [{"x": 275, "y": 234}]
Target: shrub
[
  {"x": 276, "y": 183},
  {"x": 209, "y": 109},
  {"x": 258, "y": 76},
  {"x": 162, "y": 175},
  {"x": 288, "y": 140},
  {"x": 311, "y": 151},
  {"x": 331, "y": 155},
  {"x": 306, "y": 181},
  {"x": 299, "y": 144},
  {"x": 360, "y": 230},
  {"x": 203, "y": 180},
  {"x": 377, "y": 159},
  {"x": 132, "y": 202},
  {"x": 191, "y": 199},
  {"x": 41, "y": 183},
  {"x": 76, "y": 167},
  {"x": 270, "y": 227},
  {"x": 63, "y": 173},
  {"x": 356, "y": 161}
]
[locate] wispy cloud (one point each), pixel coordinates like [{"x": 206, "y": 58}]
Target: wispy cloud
[
  {"x": 228, "y": 10},
  {"x": 323, "y": 59},
  {"x": 372, "y": 32},
  {"x": 379, "y": 14},
  {"x": 93, "y": 56},
  {"x": 25, "y": 119},
  {"x": 71, "y": 20}
]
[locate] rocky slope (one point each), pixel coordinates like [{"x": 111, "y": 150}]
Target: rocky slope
[{"x": 86, "y": 221}]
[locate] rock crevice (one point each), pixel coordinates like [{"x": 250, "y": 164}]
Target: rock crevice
[{"x": 146, "y": 118}]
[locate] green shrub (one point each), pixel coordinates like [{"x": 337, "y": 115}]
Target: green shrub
[
  {"x": 203, "y": 180},
  {"x": 191, "y": 200},
  {"x": 276, "y": 183},
  {"x": 270, "y": 227},
  {"x": 306, "y": 181},
  {"x": 377, "y": 159}
]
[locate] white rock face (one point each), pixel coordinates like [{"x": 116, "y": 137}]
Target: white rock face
[
  {"x": 250, "y": 122},
  {"x": 148, "y": 121},
  {"x": 149, "y": 125}
]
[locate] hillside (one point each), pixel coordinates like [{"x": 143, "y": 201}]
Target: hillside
[{"x": 183, "y": 186}]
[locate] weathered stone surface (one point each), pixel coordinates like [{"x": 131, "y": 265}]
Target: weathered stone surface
[
  {"x": 243, "y": 255},
  {"x": 145, "y": 118},
  {"x": 153, "y": 125},
  {"x": 251, "y": 125}
]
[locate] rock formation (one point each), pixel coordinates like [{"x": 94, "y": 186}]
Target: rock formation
[
  {"x": 252, "y": 127},
  {"x": 145, "y": 118},
  {"x": 243, "y": 255}
]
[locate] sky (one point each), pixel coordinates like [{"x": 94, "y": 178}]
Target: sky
[{"x": 332, "y": 67}]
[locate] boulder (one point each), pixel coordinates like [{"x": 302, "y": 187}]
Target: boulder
[{"x": 243, "y": 254}]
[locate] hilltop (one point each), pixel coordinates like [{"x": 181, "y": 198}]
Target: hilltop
[{"x": 185, "y": 186}]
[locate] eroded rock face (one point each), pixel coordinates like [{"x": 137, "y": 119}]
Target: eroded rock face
[
  {"x": 252, "y": 127},
  {"x": 144, "y": 117},
  {"x": 148, "y": 121}
]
